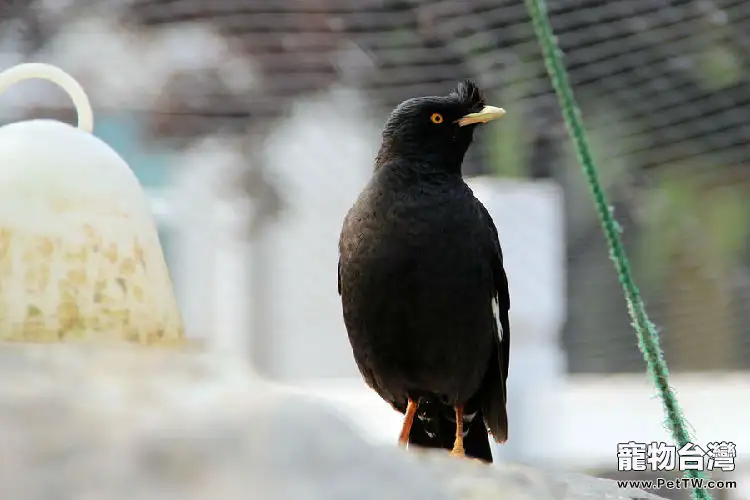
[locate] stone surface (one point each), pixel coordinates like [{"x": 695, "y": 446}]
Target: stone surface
[{"x": 126, "y": 422}]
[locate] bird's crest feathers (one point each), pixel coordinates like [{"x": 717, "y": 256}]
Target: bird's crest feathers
[{"x": 467, "y": 92}]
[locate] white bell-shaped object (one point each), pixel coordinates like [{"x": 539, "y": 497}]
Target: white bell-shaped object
[{"x": 79, "y": 253}]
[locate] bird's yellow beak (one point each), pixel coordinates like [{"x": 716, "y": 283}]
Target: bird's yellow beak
[{"x": 487, "y": 114}]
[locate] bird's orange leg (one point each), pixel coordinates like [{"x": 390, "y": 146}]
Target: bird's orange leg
[
  {"x": 458, "y": 444},
  {"x": 411, "y": 410}
]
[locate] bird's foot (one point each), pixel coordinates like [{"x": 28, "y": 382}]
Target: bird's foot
[
  {"x": 411, "y": 410},
  {"x": 458, "y": 452}
]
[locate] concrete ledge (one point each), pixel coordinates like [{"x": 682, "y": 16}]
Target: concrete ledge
[{"x": 127, "y": 422}]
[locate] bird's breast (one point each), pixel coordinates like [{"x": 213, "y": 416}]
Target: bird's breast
[
  {"x": 400, "y": 228},
  {"x": 412, "y": 243},
  {"x": 416, "y": 290}
]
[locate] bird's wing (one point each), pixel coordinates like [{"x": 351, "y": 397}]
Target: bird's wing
[
  {"x": 500, "y": 279},
  {"x": 501, "y": 303},
  {"x": 494, "y": 409}
]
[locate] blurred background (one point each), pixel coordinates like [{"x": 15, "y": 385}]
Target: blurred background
[{"x": 253, "y": 124}]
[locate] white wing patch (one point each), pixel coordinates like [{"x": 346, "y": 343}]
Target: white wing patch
[{"x": 496, "y": 315}]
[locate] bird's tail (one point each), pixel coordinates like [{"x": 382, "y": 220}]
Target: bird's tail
[
  {"x": 435, "y": 427},
  {"x": 492, "y": 395}
]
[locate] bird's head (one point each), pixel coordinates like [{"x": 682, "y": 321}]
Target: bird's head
[{"x": 436, "y": 130}]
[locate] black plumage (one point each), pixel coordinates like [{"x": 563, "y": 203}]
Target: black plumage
[{"x": 423, "y": 289}]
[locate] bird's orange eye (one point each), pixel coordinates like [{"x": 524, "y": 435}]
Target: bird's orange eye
[{"x": 436, "y": 118}]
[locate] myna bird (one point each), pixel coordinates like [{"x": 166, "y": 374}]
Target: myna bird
[{"x": 422, "y": 284}]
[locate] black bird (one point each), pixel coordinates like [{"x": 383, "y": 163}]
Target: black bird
[{"x": 423, "y": 289}]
